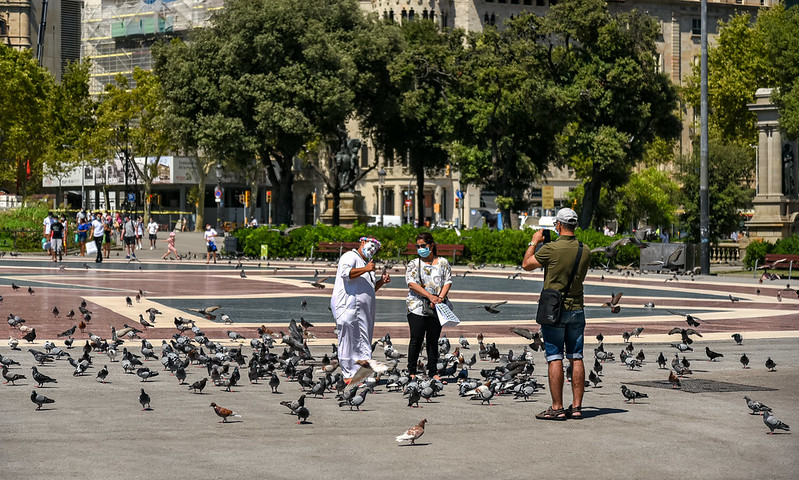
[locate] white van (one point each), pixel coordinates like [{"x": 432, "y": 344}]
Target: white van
[{"x": 388, "y": 221}]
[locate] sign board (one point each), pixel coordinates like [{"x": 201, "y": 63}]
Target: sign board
[
  {"x": 217, "y": 193},
  {"x": 131, "y": 197},
  {"x": 437, "y": 207},
  {"x": 547, "y": 197},
  {"x": 459, "y": 194},
  {"x": 407, "y": 203}
]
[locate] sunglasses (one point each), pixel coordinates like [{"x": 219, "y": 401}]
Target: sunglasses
[{"x": 423, "y": 245}]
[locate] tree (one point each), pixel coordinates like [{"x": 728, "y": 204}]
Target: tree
[
  {"x": 606, "y": 66},
  {"x": 748, "y": 56},
  {"x": 512, "y": 111},
  {"x": 24, "y": 102},
  {"x": 729, "y": 171},
  {"x": 71, "y": 122},
  {"x": 649, "y": 195}
]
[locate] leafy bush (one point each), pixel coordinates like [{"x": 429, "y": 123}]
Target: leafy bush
[
  {"x": 756, "y": 251},
  {"x": 480, "y": 245},
  {"x": 27, "y": 219},
  {"x": 787, "y": 246}
]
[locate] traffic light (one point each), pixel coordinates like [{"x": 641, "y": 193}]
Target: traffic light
[
  {"x": 457, "y": 202},
  {"x": 247, "y": 198},
  {"x": 449, "y": 170},
  {"x": 268, "y": 196},
  {"x": 313, "y": 199}
]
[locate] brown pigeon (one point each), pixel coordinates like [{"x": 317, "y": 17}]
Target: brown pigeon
[
  {"x": 413, "y": 433},
  {"x": 675, "y": 382},
  {"x": 224, "y": 412}
]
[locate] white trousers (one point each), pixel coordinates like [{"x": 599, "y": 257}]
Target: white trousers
[{"x": 354, "y": 343}]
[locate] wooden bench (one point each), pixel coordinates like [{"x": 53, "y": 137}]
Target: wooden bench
[
  {"x": 335, "y": 247},
  {"x": 780, "y": 260},
  {"x": 443, "y": 250}
]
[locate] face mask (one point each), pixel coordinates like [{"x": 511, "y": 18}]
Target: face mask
[
  {"x": 423, "y": 252},
  {"x": 369, "y": 250}
]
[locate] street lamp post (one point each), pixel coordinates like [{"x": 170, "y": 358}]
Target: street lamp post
[
  {"x": 219, "y": 186},
  {"x": 757, "y": 167},
  {"x": 381, "y": 203}
]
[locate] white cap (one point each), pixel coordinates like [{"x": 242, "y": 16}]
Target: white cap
[{"x": 566, "y": 216}]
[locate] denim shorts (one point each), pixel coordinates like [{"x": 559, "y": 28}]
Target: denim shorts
[{"x": 569, "y": 333}]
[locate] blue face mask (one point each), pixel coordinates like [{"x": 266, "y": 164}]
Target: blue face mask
[{"x": 423, "y": 252}]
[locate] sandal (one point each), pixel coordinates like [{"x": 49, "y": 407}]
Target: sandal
[
  {"x": 575, "y": 413},
  {"x": 551, "y": 414}
]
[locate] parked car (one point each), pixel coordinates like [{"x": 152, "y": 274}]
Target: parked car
[{"x": 388, "y": 221}]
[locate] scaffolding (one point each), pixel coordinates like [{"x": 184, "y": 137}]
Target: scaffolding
[{"x": 117, "y": 35}]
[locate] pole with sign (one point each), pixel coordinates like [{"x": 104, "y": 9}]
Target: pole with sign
[{"x": 547, "y": 197}]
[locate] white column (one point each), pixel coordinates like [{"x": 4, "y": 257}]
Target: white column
[{"x": 775, "y": 162}]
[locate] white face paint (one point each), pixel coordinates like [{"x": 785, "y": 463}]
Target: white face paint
[{"x": 369, "y": 250}]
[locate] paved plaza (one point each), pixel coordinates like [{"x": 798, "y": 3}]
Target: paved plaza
[{"x": 96, "y": 430}]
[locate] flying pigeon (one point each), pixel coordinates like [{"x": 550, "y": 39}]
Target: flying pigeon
[
  {"x": 773, "y": 423},
  {"x": 413, "y": 433},
  {"x": 614, "y": 303},
  {"x": 224, "y": 412},
  {"x": 144, "y": 399},
  {"x": 491, "y": 307},
  {"x": 40, "y": 399}
]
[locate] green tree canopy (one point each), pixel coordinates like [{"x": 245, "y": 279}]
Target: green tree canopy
[
  {"x": 729, "y": 172},
  {"x": 650, "y": 195}
]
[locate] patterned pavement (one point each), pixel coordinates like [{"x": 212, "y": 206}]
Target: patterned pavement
[{"x": 272, "y": 293}]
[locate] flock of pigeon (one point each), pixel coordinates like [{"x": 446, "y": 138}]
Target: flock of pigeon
[{"x": 511, "y": 374}]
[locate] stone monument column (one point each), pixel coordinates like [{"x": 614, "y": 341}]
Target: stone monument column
[{"x": 776, "y": 207}]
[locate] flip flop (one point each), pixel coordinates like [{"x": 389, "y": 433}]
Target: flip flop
[
  {"x": 571, "y": 411},
  {"x": 551, "y": 414}
]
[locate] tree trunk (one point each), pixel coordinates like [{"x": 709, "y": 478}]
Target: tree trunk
[
  {"x": 592, "y": 189},
  {"x": 199, "y": 223},
  {"x": 420, "y": 194},
  {"x": 148, "y": 188},
  {"x": 282, "y": 190}
]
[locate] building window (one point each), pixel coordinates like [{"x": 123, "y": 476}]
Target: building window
[
  {"x": 3, "y": 27},
  {"x": 514, "y": 2},
  {"x": 696, "y": 26},
  {"x": 739, "y": 2},
  {"x": 388, "y": 198},
  {"x": 528, "y": 2},
  {"x": 502, "y": 1},
  {"x": 489, "y": 1}
]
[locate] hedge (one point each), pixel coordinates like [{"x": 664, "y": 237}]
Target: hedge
[
  {"x": 26, "y": 223},
  {"x": 757, "y": 249},
  {"x": 480, "y": 245}
]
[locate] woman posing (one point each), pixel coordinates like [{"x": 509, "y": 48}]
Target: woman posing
[{"x": 429, "y": 278}]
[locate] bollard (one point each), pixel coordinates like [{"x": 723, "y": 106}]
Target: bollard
[
  {"x": 312, "y": 252},
  {"x": 790, "y": 268},
  {"x": 754, "y": 274}
]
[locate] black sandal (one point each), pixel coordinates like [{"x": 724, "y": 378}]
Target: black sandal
[
  {"x": 575, "y": 413},
  {"x": 552, "y": 414}
]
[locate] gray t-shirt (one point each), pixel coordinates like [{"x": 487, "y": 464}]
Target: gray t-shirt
[{"x": 130, "y": 229}]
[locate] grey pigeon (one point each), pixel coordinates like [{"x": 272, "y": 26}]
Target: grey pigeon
[
  {"x": 356, "y": 401},
  {"x": 145, "y": 373},
  {"x": 40, "y": 399},
  {"x": 757, "y": 408},
  {"x": 738, "y": 338},
  {"x": 180, "y": 374},
  {"x": 41, "y": 378},
  {"x": 773, "y": 423},
  {"x": 198, "y": 385},
  {"x": 302, "y": 414},
  {"x": 631, "y": 395},
  {"x": 711, "y": 355},
  {"x": 102, "y": 374},
  {"x": 594, "y": 378},
  {"x": 661, "y": 361},
  {"x": 144, "y": 399},
  {"x": 274, "y": 382}
]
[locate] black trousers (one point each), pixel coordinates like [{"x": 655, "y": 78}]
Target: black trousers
[
  {"x": 99, "y": 242},
  {"x": 422, "y": 327}
]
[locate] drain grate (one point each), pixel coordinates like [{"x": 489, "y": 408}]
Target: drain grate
[{"x": 696, "y": 385}]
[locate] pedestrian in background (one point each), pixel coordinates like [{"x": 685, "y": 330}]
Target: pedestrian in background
[
  {"x": 209, "y": 236},
  {"x": 57, "y": 230},
  {"x": 108, "y": 230},
  {"x": 558, "y": 260},
  {"x": 152, "y": 229},
  {"x": 83, "y": 231},
  {"x": 170, "y": 247},
  {"x": 353, "y": 304},
  {"x": 129, "y": 237},
  {"x": 429, "y": 279},
  {"x": 98, "y": 232}
]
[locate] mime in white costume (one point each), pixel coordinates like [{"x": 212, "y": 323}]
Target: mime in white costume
[{"x": 353, "y": 304}]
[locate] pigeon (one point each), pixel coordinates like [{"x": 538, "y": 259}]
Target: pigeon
[
  {"x": 356, "y": 400},
  {"x": 207, "y": 311},
  {"x": 234, "y": 335},
  {"x": 144, "y": 399},
  {"x": 11, "y": 378},
  {"x": 14, "y": 286},
  {"x": 685, "y": 334},
  {"x": 128, "y": 302},
  {"x": 614, "y": 303},
  {"x": 198, "y": 385},
  {"x": 30, "y": 336},
  {"x": 242, "y": 274},
  {"x": 55, "y": 312},
  {"x": 661, "y": 361},
  {"x": 682, "y": 347},
  {"x": 773, "y": 423},
  {"x": 320, "y": 283},
  {"x": 770, "y": 364},
  {"x": 102, "y": 374},
  {"x": 637, "y": 331},
  {"x": 41, "y": 378},
  {"x": 413, "y": 433},
  {"x": 711, "y": 355},
  {"x": 304, "y": 304},
  {"x": 594, "y": 378},
  {"x": 690, "y": 319},
  {"x": 414, "y": 395},
  {"x": 745, "y": 361},
  {"x": 757, "y": 408},
  {"x": 738, "y": 338},
  {"x": 13, "y": 342},
  {"x": 675, "y": 382},
  {"x": 30, "y": 291},
  {"x": 734, "y": 299},
  {"x": 631, "y": 395},
  {"x": 145, "y": 373},
  {"x": 40, "y": 399},
  {"x": 224, "y": 412},
  {"x": 368, "y": 367},
  {"x": 302, "y": 414},
  {"x": 274, "y": 382},
  {"x": 524, "y": 332},
  {"x": 491, "y": 307}
]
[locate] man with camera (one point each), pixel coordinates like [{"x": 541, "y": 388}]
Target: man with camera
[{"x": 561, "y": 313}]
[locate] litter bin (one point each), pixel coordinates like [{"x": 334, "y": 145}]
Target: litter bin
[{"x": 231, "y": 245}]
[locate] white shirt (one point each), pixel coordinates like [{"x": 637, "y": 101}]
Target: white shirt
[
  {"x": 353, "y": 298},
  {"x": 152, "y": 227},
  {"x": 432, "y": 278},
  {"x": 99, "y": 228},
  {"x": 47, "y": 222},
  {"x": 209, "y": 235}
]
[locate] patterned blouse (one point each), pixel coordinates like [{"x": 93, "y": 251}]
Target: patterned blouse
[{"x": 433, "y": 278}]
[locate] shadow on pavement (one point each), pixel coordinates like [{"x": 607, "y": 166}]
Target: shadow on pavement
[{"x": 591, "y": 412}]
